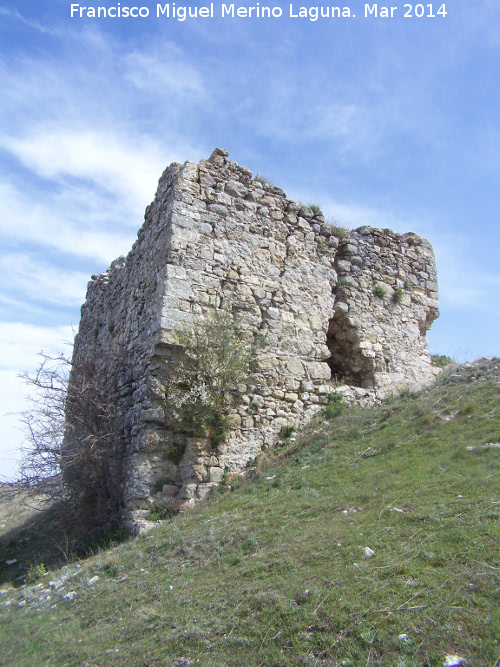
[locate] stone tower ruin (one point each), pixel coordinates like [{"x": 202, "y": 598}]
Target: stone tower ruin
[{"x": 342, "y": 312}]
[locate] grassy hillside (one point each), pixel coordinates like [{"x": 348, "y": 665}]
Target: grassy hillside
[{"x": 371, "y": 540}]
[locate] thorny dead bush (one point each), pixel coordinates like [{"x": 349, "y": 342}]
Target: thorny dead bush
[{"x": 74, "y": 445}]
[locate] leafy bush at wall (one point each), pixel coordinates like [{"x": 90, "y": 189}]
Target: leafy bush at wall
[
  {"x": 440, "y": 360},
  {"x": 209, "y": 377}
]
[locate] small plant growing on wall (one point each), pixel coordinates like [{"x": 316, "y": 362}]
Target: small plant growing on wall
[
  {"x": 335, "y": 405},
  {"x": 397, "y": 294},
  {"x": 337, "y": 230},
  {"x": 209, "y": 377},
  {"x": 380, "y": 291},
  {"x": 263, "y": 180},
  {"x": 341, "y": 282},
  {"x": 286, "y": 432},
  {"x": 159, "y": 513},
  {"x": 175, "y": 451}
]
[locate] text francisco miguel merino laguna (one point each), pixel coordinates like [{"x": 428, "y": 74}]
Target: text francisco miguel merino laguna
[{"x": 182, "y": 13}]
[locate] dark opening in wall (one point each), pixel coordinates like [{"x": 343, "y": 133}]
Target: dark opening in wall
[{"x": 346, "y": 361}]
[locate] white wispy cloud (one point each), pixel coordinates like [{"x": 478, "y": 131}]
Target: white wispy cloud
[
  {"x": 127, "y": 170},
  {"x": 78, "y": 222},
  {"x": 164, "y": 74},
  {"x": 21, "y": 343},
  {"x": 16, "y": 16},
  {"x": 95, "y": 175},
  {"x": 465, "y": 285},
  {"x": 41, "y": 282}
]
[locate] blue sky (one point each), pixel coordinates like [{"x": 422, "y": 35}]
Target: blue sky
[{"x": 387, "y": 122}]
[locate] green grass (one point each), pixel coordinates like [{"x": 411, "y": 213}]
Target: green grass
[{"x": 275, "y": 574}]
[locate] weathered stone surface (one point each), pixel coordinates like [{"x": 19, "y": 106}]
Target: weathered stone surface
[
  {"x": 212, "y": 236},
  {"x": 216, "y": 474},
  {"x": 170, "y": 490}
]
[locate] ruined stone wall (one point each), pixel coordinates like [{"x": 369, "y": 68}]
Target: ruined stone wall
[
  {"x": 386, "y": 300},
  {"x": 213, "y": 236}
]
